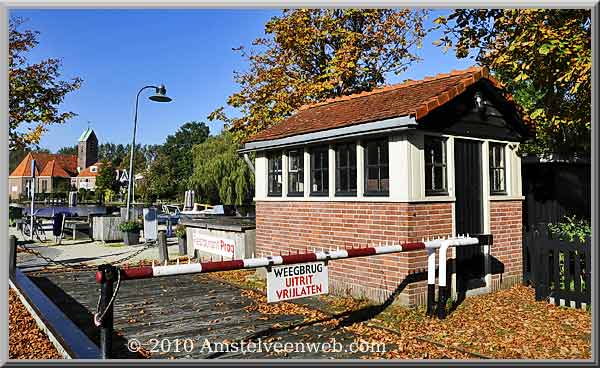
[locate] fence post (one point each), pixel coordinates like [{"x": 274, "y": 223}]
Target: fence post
[
  {"x": 542, "y": 254},
  {"x": 107, "y": 273},
  {"x": 163, "y": 251},
  {"x": 12, "y": 267}
]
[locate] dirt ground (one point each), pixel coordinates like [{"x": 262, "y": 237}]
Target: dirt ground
[{"x": 26, "y": 340}]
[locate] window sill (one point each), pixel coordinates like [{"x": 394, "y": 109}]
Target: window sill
[
  {"x": 345, "y": 194},
  {"x": 376, "y": 194},
  {"x": 274, "y": 195},
  {"x": 436, "y": 194},
  {"x": 295, "y": 194},
  {"x": 319, "y": 194}
]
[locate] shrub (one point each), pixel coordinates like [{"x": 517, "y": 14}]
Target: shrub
[
  {"x": 571, "y": 229},
  {"x": 130, "y": 226},
  {"x": 180, "y": 231}
]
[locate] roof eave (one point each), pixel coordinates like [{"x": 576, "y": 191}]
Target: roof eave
[{"x": 381, "y": 126}]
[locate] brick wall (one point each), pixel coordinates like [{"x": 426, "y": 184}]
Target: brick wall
[
  {"x": 299, "y": 226},
  {"x": 506, "y": 225}
]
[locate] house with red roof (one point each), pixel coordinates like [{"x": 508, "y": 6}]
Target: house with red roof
[
  {"x": 418, "y": 160},
  {"x": 55, "y": 172}
]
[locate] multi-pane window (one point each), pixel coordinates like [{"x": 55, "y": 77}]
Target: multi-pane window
[
  {"x": 319, "y": 170},
  {"x": 296, "y": 173},
  {"x": 497, "y": 169},
  {"x": 345, "y": 169},
  {"x": 436, "y": 181},
  {"x": 274, "y": 174},
  {"x": 44, "y": 186},
  {"x": 377, "y": 179}
]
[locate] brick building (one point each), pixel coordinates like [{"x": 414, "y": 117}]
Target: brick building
[
  {"x": 57, "y": 172},
  {"x": 428, "y": 158}
]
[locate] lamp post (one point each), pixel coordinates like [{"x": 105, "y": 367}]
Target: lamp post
[{"x": 159, "y": 96}]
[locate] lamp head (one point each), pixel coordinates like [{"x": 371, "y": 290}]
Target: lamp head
[{"x": 160, "y": 95}]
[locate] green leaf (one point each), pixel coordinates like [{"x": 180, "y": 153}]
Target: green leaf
[{"x": 545, "y": 49}]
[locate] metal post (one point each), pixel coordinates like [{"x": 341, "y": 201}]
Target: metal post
[
  {"x": 32, "y": 187},
  {"x": 130, "y": 181},
  {"x": 108, "y": 274},
  {"x": 182, "y": 246},
  {"x": 163, "y": 251},
  {"x": 12, "y": 266}
]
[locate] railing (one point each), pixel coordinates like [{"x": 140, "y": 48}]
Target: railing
[{"x": 559, "y": 269}]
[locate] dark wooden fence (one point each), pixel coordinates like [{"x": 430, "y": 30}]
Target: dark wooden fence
[{"x": 558, "y": 269}]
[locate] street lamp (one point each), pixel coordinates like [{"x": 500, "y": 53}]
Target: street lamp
[{"x": 159, "y": 96}]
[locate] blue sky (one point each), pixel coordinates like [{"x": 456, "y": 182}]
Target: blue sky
[{"x": 116, "y": 52}]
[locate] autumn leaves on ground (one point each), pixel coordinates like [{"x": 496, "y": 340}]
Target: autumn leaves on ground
[
  {"x": 26, "y": 340},
  {"x": 508, "y": 324}
]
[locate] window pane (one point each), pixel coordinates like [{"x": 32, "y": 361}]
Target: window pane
[
  {"x": 438, "y": 178},
  {"x": 501, "y": 156},
  {"x": 316, "y": 181},
  {"x": 428, "y": 177},
  {"x": 295, "y": 171},
  {"x": 383, "y": 153},
  {"x": 343, "y": 184},
  {"x": 352, "y": 180},
  {"x": 372, "y": 153},
  {"x": 435, "y": 164},
  {"x": 274, "y": 173},
  {"x": 385, "y": 185}
]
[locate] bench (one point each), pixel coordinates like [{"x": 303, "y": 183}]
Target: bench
[{"x": 77, "y": 226}]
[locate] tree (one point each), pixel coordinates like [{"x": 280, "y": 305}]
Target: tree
[
  {"x": 17, "y": 155},
  {"x": 543, "y": 56},
  {"x": 220, "y": 175},
  {"x": 159, "y": 180},
  {"x": 106, "y": 181},
  {"x": 71, "y": 150},
  {"x": 172, "y": 163},
  {"x": 309, "y": 55},
  {"x": 35, "y": 90},
  {"x": 107, "y": 177}
]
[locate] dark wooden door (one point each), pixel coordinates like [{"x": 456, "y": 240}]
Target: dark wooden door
[{"x": 469, "y": 207}]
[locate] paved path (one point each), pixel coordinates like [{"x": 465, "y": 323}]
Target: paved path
[{"x": 86, "y": 251}]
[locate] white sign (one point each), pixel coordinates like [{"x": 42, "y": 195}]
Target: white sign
[
  {"x": 297, "y": 281},
  {"x": 210, "y": 244}
]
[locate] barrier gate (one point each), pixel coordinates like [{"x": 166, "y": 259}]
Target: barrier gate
[{"x": 109, "y": 277}]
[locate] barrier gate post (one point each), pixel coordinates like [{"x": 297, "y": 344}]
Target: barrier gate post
[{"x": 108, "y": 274}]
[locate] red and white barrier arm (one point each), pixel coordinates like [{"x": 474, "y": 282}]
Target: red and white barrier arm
[{"x": 250, "y": 263}]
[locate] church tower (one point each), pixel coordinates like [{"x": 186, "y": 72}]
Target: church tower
[{"x": 87, "y": 149}]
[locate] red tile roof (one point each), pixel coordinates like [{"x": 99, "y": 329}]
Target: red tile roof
[
  {"x": 55, "y": 170},
  {"x": 411, "y": 98},
  {"x": 47, "y": 164},
  {"x": 88, "y": 172}
]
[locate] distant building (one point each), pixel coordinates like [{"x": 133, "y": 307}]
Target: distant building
[
  {"x": 52, "y": 171},
  {"x": 86, "y": 179},
  {"x": 57, "y": 173}
]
